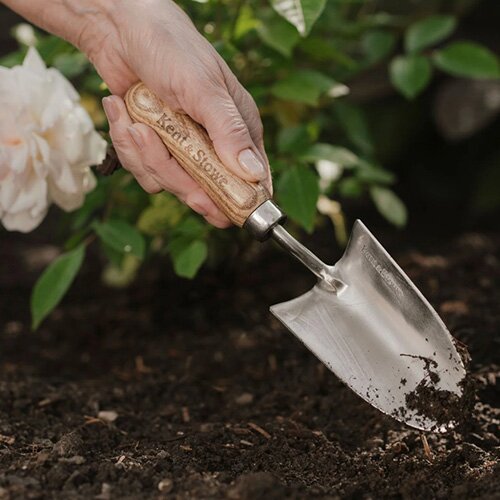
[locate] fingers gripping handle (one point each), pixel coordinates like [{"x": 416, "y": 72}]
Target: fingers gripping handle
[{"x": 190, "y": 145}]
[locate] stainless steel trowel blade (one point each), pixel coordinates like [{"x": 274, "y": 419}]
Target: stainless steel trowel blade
[{"x": 379, "y": 333}]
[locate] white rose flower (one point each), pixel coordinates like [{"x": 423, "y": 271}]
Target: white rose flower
[{"x": 47, "y": 144}]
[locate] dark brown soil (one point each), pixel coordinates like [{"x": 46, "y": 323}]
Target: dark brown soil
[{"x": 214, "y": 399}]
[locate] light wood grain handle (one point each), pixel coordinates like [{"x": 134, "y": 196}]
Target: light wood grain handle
[{"x": 190, "y": 145}]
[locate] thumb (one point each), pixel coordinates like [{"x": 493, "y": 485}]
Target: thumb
[{"x": 231, "y": 139}]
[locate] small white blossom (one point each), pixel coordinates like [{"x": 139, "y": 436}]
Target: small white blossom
[
  {"x": 25, "y": 34},
  {"x": 328, "y": 171},
  {"x": 47, "y": 144},
  {"x": 338, "y": 90}
]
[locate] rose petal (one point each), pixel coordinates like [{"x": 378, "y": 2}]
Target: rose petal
[
  {"x": 32, "y": 196},
  {"x": 23, "y": 221},
  {"x": 34, "y": 62}
]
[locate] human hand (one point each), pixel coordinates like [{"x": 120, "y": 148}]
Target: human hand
[{"x": 154, "y": 41}]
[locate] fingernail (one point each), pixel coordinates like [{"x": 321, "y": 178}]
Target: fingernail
[
  {"x": 252, "y": 164},
  {"x": 111, "y": 109},
  {"x": 136, "y": 136}
]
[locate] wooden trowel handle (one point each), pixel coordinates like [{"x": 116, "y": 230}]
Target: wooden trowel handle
[{"x": 190, "y": 145}]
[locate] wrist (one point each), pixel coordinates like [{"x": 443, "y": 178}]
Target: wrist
[
  {"x": 84, "y": 23},
  {"x": 74, "y": 20}
]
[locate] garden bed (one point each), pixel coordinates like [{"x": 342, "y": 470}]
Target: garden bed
[{"x": 214, "y": 399}]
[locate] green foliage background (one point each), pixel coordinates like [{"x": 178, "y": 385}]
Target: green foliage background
[{"x": 298, "y": 60}]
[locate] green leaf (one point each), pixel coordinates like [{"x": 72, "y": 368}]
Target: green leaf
[
  {"x": 94, "y": 200},
  {"x": 428, "y": 32},
  {"x": 54, "y": 283},
  {"x": 121, "y": 236},
  {"x": 245, "y": 22},
  {"x": 93, "y": 83},
  {"x": 226, "y": 49},
  {"x": 335, "y": 154},
  {"x": 163, "y": 214},
  {"x": 279, "y": 35},
  {"x": 14, "y": 58},
  {"x": 114, "y": 256},
  {"x": 293, "y": 139},
  {"x": 51, "y": 46},
  {"x": 301, "y": 13},
  {"x": 305, "y": 86},
  {"x": 352, "y": 120},
  {"x": 188, "y": 256},
  {"x": 410, "y": 74},
  {"x": 298, "y": 192},
  {"x": 75, "y": 239},
  {"x": 278, "y": 166},
  {"x": 389, "y": 205},
  {"x": 350, "y": 187},
  {"x": 370, "y": 173},
  {"x": 323, "y": 50},
  {"x": 377, "y": 45},
  {"x": 467, "y": 59},
  {"x": 193, "y": 227},
  {"x": 71, "y": 64}
]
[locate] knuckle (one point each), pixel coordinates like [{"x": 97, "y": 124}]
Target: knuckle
[
  {"x": 126, "y": 160},
  {"x": 146, "y": 133},
  {"x": 236, "y": 127},
  {"x": 149, "y": 168},
  {"x": 258, "y": 127},
  {"x": 152, "y": 188},
  {"x": 248, "y": 99},
  {"x": 193, "y": 202},
  {"x": 149, "y": 165},
  {"x": 231, "y": 124},
  {"x": 252, "y": 113},
  {"x": 209, "y": 71},
  {"x": 146, "y": 182},
  {"x": 120, "y": 141}
]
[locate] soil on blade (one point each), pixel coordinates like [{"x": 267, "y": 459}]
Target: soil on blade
[
  {"x": 447, "y": 409},
  {"x": 192, "y": 390}
]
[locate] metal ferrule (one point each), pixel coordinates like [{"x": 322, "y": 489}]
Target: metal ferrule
[{"x": 262, "y": 220}]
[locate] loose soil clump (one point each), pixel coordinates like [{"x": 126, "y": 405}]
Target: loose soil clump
[
  {"x": 191, "y": 390},
  {"x": 444, "y": 407}
]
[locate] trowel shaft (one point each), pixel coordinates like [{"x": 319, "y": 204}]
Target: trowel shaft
[
  {"x": 306, "y": 257},
  {"x": 266, "y": 222},
  {"x": 299, "y": 251}
]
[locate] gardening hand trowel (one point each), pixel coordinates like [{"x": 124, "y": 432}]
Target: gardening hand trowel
[{"x": 364, "y": 319}]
